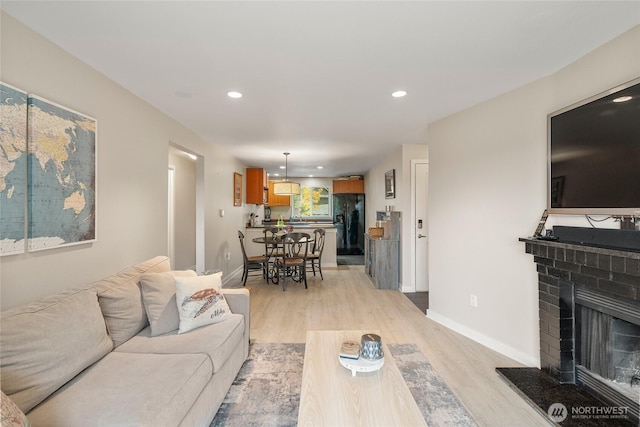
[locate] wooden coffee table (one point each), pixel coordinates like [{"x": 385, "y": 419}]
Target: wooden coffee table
[{"x": 331, "y": 396}]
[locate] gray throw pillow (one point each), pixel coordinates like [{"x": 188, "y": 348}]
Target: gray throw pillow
[{"x": 159, "y": 298}]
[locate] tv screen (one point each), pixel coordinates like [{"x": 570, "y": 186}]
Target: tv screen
[{"x": 594, "y": 154}]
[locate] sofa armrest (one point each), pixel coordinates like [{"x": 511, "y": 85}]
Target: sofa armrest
[
  {"x": 238, "y": 300},
  {"x": 239, "y": 303}
]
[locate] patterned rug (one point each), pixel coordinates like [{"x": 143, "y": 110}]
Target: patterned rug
[{"x": 266, "y": 392}]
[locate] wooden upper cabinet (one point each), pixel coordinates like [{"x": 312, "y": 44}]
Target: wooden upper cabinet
[
  {"x": 348, "y": 186},
  {"x": 275, "y": 199},
  {"x": 257, "y": 186}
]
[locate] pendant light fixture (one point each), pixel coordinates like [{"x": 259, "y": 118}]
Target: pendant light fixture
[{"x": 286, "y": 187}]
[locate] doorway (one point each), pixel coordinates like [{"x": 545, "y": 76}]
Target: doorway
[
  {"x": 185, "y": 210},
  {"x": 419, "y": 225}
]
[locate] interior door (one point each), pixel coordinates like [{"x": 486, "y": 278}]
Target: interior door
[{"x": 421, "y": 251}]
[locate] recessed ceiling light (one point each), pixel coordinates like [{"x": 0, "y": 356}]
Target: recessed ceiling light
[
  {"x": 320, "y": 167},
  {"x": 276, "y": 174},
  {"x": 234, "y": 94},
  {"x": 283, "y": 167},
  {"x": 310, "y": 176},
  {"x": 399, "y": 93},
  {"x": 622, "y": 99}
]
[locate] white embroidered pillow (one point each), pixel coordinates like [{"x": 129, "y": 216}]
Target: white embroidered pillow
[
  {"x": 11, "y": 414},
  {"x": 200, "y": 301}
]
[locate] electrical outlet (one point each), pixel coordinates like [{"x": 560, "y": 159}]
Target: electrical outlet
[{"x": 473, "y": 301}]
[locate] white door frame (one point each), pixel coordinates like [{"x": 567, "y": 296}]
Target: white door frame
[
  {"x": 200, "y": 224},
  {"x": 171, "y": 214},
  {"x": 412, "y": 239}
]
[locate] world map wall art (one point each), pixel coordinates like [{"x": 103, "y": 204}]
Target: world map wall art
[{"x": 48, "y": 165}]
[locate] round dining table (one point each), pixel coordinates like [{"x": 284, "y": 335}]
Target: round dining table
[{"x": 277, "y": 241}]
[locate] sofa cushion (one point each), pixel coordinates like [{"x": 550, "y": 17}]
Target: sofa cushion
[
  {"x": 159, "y": 298},
  {"x": 121, "y": 300},
  {"x": 45, "y": 344},
  {"x": 217, "y": 341},
  {"x": 128, "y": 389},
  {"x": 200, "y": 301}
]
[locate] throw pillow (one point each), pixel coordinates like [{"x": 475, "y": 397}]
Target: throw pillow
[
  {"x": 11, "y": 414},
  {"x": 200, "y": 301},
  {"x": 159, "y": 298}
]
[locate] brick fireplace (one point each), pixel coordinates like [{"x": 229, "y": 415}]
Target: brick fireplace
[{"x": 577, "y": 284}]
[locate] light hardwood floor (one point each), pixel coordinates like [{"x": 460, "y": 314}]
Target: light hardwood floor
[{"x": 346, "y": 299}]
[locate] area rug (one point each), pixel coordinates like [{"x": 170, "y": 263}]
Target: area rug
[{"x": 266, "y": 391}]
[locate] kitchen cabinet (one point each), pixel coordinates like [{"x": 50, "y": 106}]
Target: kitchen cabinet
[
  {"x": 275, "y": 199},
  {"x": 348, "y": 186},
  {"x": 257, "y": 186}
]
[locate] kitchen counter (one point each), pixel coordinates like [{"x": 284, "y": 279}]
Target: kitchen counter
[{"x": 298, "y": 225}]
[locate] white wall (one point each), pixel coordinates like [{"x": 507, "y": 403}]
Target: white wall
[
  {"x": 133, "y": 141},
  {"x": 488, "y": 188},
  {"x": 400, "y": 160}
]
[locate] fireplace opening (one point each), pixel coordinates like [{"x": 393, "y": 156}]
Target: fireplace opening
[{"x": 607, "y": 347}]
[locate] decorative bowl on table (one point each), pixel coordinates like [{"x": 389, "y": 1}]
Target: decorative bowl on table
[
  {"x": 365, "y": 357},
  {"x": 371, "y": 347}
]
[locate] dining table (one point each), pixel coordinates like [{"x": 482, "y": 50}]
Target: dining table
[{"x": 275, "y": 242}]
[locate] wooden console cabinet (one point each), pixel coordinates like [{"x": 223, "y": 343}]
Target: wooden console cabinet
[
  {"x": 381, "y": 261},
  {"x": 257, "y": 186}
]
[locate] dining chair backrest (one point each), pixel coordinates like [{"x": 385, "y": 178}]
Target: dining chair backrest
[
  {"x": 270, "y": 231},
  {"x": 297, "y": 244},
  {"x": 241, "y": 238},
  {"x": 271, "y": 249},
  {"x": 318, "y": 241}
]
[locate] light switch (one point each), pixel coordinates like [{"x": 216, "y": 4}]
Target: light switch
[{"x": 221, "y": 213}]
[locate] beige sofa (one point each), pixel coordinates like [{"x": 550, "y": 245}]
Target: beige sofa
[{"x": 87, "y": 357}]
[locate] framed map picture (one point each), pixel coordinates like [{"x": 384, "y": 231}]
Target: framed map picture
[
  {"x": 13, "y": 169},
  {"x": 61, "y": 200},
  {"x": 237, "y": 189}
]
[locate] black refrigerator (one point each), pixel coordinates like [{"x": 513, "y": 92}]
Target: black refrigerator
[{"x": 348, "y": 217}]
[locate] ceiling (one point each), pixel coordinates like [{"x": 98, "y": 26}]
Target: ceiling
[{"x": 317, "y": 77}]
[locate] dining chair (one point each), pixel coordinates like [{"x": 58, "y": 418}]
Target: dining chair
[
  {"x": 316, "y": 252},
  {"x": 252, "y": 263},
  {"x": 272, "y": 250},
  {"x": 294, "y": 262}
]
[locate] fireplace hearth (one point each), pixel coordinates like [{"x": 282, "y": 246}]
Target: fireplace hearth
[{"x": 589, "y": 307}]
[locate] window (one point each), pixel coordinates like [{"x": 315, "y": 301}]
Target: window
[{"x": 312, "y": 201}]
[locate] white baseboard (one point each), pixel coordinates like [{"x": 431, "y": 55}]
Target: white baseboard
[
  {"x": 486, "y": 341},
  {"x": 408, "y": 289},
  {"x": 237, "y": 272}
]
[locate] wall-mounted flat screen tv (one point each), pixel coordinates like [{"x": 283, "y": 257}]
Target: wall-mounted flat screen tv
[{"x": 594, "y": 154}]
